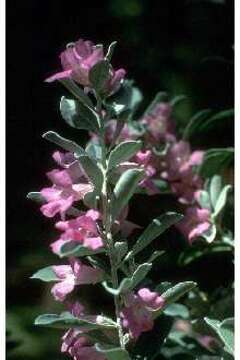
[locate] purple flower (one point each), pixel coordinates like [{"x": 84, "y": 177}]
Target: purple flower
[
  {"x": 69, "y": 185},
  {"x": 75, "y": 343},
  {"x": 137, "y": 314},
  {"x": 77, "y": 61},
  {"x": 195, "y": 223},
  {"x": 159, "y": 124},
  {"x": 71, "y": 275},
  {"x": 83, "y": 229}
]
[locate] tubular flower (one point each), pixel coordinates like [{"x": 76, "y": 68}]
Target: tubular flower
[
  {"x": 78, "y": 59},
  {"x": 83, "y": 230},
  {"x": 69, "y": 185},
  {"x": 137, "y": 314},
  {"x": 71, "y": 275}
]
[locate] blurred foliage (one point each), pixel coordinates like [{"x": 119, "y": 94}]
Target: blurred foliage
[{"x": 182, "y": 47}]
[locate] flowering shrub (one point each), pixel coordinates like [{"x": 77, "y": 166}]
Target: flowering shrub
[{"x": 88, "y": 198}]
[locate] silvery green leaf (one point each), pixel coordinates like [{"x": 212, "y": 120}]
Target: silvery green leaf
[
  {"x": 221, "y": 201},
  {"x": 154, "y": 229},
  {"x": 73, "y": 248},
  {"x": 36, "y": 196},
  {"x": 124, "y": 189},
  {"x": 225, "y": 331},
  {"x": 210, "y": 234},
  {"x": 99, "y": 75},
  {"x": 130, "y": 283},
  {"x": 123, "y": 152},
  {"x": 172, "y": 294},
  {"x": 45, "y": 274},
  {"x": 91, "y": 199},
  {"x": 215, "y": 188},
  {"x": 177, "y": 310},
  {"x": 156, "y": 254},
  {"x": 121, "y": 249},
  {"x": 94, "y": 151},
  {"x": 78, "y": 115},
  {"x": 204, "y": 200},
  {"x": 113, "y": 353},
  {"x": 110, "y": 50},
  {"x": 66, "y": 144},
  {"x": 74, "y": 89},
  {"x": 67, "y": 320}
]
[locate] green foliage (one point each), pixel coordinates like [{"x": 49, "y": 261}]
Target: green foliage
[
  {"x": 113, "y": 353},
  {"x": 123, "y": 152},
  {"x": 215, "y": 161},
  {"x": 99, "y": 75},
  {"x": 45, "y": 274},
  {"x": 72, "y": 248}
]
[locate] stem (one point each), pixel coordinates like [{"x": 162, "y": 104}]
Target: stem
[{"x": 107, "y": 225}]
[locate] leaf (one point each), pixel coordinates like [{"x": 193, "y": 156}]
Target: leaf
[
  {"x": 110, "y": 50},
  {"x": 221, "y": 201},
  {"x": 76, "y": 91},
  {"x": 66, "y": 144},
  {"x": 123, "y": 152},
  {"x": 225, "y": 331},
  {"x": 94, "y": 151},
  {"x": 215, "y": 119},
  {"x": 124, "y": 189},
  {"x": 78, "y": 115},
  {"x": 163, "y": 286},
  {"x": 174, "y": 293},
  {"x": 113, "y": 353},
  {"x": 215, "y": 189},
  {"x": 193, "y": 124},
  {"x": 154, "y": 229},
  {"x": 67, "y": 320},
  {"x": 210, "y": 234},
  {"x": 36, "y": 196},
  {"x": 156, "y": 254},
  {"x": 177, "y": 99},
  {"x": 45, "y": 274},
  {"x": 177, "y": 310},
  {"x": 121, "y": 249},
  {"x": 204, "y": 200},
  {"x": 128, "y": 283},
  {"x": 99, "y": 75},
  {"x": 72, "y": 248},
  {"x": 215, "y": 160},
  {"x": 93, "y": 172}
]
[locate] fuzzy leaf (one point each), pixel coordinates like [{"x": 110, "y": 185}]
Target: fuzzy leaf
[
  {"x": 72, "y": 248},
  {"x": 78, "y": 115},
  {"x": 215, "y": 160},
  {"x": 124, "y": 189},
  {"x": 93, "y": 172},
  {"x": 36, "y": 196},
  {"x": 121, "y": 248},
  {"x": 76, "y": 91},
  {"x": 215, "y": 189},
  {"x": 172, "y": 294},
  {"x": 204, "y": 200},
  {"x": 99, "y": 75},
  {"x": 154, "y": 229},
  {"x": 66, "y": 320},
  {"x": 210, "y": 234},
  {"x": 113, "y": 353},
  {"x": 110, "y": 50},
  {"x": 225, "y": 331},
  {"x": 94, "y": 151},
  {"x": 66, "y": 144},
  {"x": 177, "y": 310},
  {"x": 221, "y": 201},
  {"x": 46, "y": 274},
  {"x": 123, "y": 152}
]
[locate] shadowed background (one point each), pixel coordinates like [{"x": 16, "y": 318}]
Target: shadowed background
[{"x": 182, "y": 47}]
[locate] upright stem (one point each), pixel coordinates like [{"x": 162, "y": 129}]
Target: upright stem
[{"x": 107, "y": 225}]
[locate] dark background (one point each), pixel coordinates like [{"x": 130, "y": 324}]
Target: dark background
[{"x": 183, "y": 47}]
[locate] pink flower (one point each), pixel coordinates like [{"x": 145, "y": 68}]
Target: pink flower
[
  {"x": 69, "y": 185},
  {"x": 195, "y": 223},
  {"x": 144, "y": 159},
  {"x": 76, "y": 344},
  {"x": 71, "y": 275},
  {"x": 159, "y": 124},
  {"x": 124, "y": 226},
  {"x": 77, "y": 61},
  {"x": 126, "y": 133},
  {"x": 83, "y": 229},
  {"x": 137, "y": 315}
]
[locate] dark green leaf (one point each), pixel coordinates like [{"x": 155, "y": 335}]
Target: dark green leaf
[
  {"x": 177, "y": 310},
  {"x": 215, "y": 160},
  {"x": 113, "y": 353},
  {"x": 36, "y": 196},
  {"x": 99, "y": 75},
  {"x": 193, "y": 124},
  {"x": 72, "y": 248},
  {"x": 77, "y": 92},
  {"x": 66, "y": 144},
  {"x": 156, "y": 228}
]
